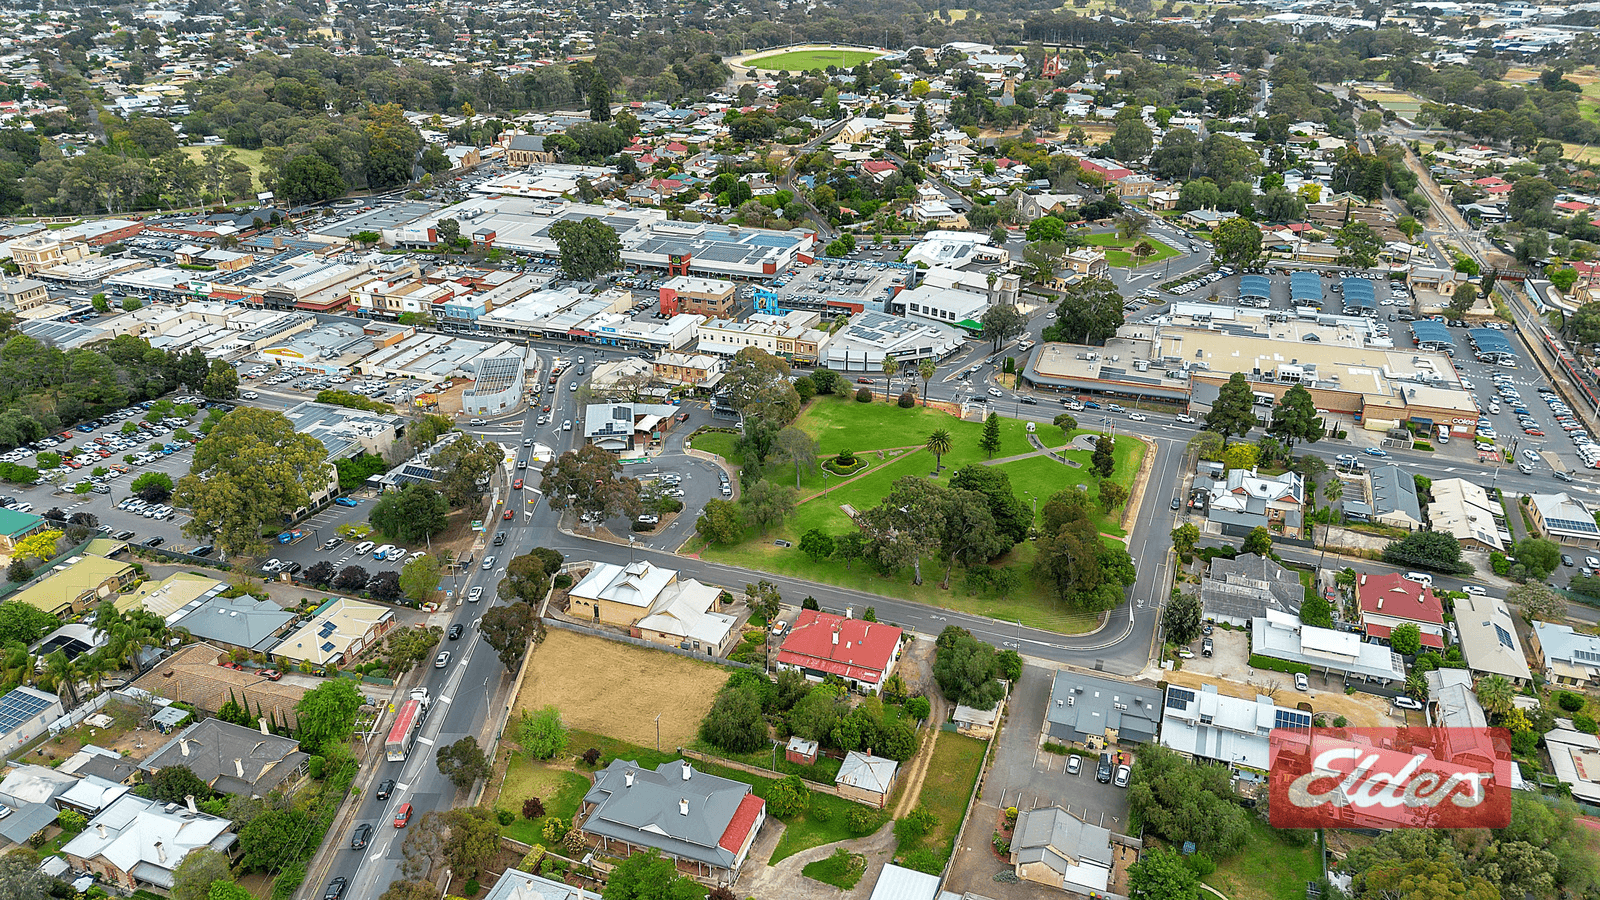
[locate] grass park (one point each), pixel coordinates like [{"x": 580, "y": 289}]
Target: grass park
[
  {"x": 806, "y": 60},
  {"x": 890, "y": 440},
  {"x": 1119, "y": 252}
]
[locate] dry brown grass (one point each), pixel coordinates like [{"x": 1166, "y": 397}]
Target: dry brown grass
[{"x": 616, "y": 689}]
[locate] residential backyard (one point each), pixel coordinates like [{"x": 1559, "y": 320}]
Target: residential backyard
[
  {"x": 1267, "y": 868},
  {"x": 889, "y": 440},
  {"x": 948, "y": 786}
]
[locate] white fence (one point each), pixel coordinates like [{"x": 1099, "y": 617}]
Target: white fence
[{"x": 74, "y": 718}]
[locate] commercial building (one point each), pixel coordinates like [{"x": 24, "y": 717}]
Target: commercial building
[
  {"x": 1094, "y": 713},
  {"x": 627, "y": 429},
  {"x": 947, "y": 306},
  {"x": 1335, "y": 358},
  {"x": 1280, "y": 635},
  {"x": 1566, "y": 656},
  {"x": 346, "y": 432},
  {"x": 499, "y": 384},
  {"x": 703, "y": 823},
  {"x": 1489, "y": 638},
  {"x": 1389, "y": 601},
  {"x": 242, "y": 622},
  {"x": 1564, "y": 519},
  {"x": 996, "y": 286},
  {"x": 834, "y": 287},
  {"x": 698, "y": 369},
  {"x": 712, "y": 297},
  {"x": 862, "y": 344},
  {"x": 955, "y": 250},
  {"x": 1237, "y": 591},
  {"x": 793, "y": 335},
  {"x": 22, "y": 294},
  {"x": 47, "y": 250},
  {"x": 336, "y": 633},
  {"x": 138, "y": 844}
]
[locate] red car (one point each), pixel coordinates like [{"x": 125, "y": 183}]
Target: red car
[
  {"x": 272, "y": 675},
  {"x": 1534, "y": 432},
  {"x": 510, "y": 514},
  {"x": 863, "y": 381},
  {"x": 402, "y": 816},
  {"x": 516, "y": 485}
]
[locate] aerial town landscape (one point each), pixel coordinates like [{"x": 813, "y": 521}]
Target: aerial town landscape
[{"x": 800, "y": 451}]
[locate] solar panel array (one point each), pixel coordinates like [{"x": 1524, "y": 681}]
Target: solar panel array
[
  {"x": 1179, "y": 698},
  {"x": 1585, "y": 526},
  {"x": 1305, "y": 287},
  {"x": 1255, "y": 286},
  {"x": 1291, "y": 718},
  {"x": 18, "y": 707},
  {"x": 1358, "y": 289},
  {"x": 1505, "y": 637}
]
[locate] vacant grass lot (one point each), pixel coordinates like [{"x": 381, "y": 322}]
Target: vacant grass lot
[
  {"x": 608, "y": 687},
  {"x": 951, "y": 774},
  {"x": 806, "y": 60},
  {"x": 879, "y": 432},
  {"x": 1267, "y": 868}
]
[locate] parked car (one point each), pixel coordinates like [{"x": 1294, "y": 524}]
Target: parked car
[
  {"x": 1103, "y": 771},
  {"x": 1406, "y": 703},
  {"x": 1301, "y": 682},
  {"x": 1124, "y": 773}
]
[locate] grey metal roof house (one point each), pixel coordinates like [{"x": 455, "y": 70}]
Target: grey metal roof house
[
  {"x": 242, "y": 621},
  {"x": 231, "y": 758},
  {"x": 691, "y": 817},
  {"x": 1237, "y": 590},
  {"x": 1098, "y": 712},
  {"x": 1393, "y": 496},
  {"x": 516, "y": 884},
  {"x": 1051, "y": 846}
]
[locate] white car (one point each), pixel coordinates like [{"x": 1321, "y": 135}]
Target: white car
[
  {"x": 474, "y": 595},
  {"x": 362, "y": 548},
  {"x": 1475, "y": 589},
  {"x": 1137, "y": 416},
  {"x": 996, "y": 392},
  {"x": 1530, "y": 456},
  {"x": 1186, "y": 418},
  {"x": 396, "y": 555},
  {"x": 1301, "y": 683}
]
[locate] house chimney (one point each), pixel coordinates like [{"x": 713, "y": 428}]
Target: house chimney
[
  {"x": 238, "y": 767},
  {"x": 1380, "y": 603},
  {"x": 683, "y": 807},
  {"x": 627, "y": 778},
  {"x": 102, "y": 827},
  {"x": 161, "y": 853},
  {"x": 836, "y": 637},
  {"x": 189, "y": 799},
  {"x": 262, "y": 721},
  {"x": 849, "y": 612},
  {"x": 687, "y": 771}
]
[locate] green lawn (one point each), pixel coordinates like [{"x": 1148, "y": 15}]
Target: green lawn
[
  {"x": 251, "y": 158},
  {"x": 1118, "y": 253},
  {"x": 1267, "y": 868},
  {"x": 948, "y": 785},
  {"x": 872, "y": 431},
  {"x": 719, "y": 443},
  {"x": 842, "y": 870},
  {"x": 560, "y": 790},
  {"x": 806, "y": 60}
]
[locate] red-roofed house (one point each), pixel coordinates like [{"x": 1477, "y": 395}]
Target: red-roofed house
[
  {"x": 1110, "y": 172},
  {"x": 821, "y": 644},
  {"x": 1389, "y": 601},
  {"x": 1489, "y": 181},
  {"x": 878, "y": 169},
  {"x": 1572, "y": 206}
]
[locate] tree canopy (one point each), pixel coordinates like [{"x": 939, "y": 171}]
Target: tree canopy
[{"x": 253, "y": 470}]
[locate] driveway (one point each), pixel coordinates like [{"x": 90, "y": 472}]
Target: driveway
[{"x": 784, "y": 879}]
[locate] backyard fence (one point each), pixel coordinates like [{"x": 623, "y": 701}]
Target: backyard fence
[{"x": 84, "y": 711}]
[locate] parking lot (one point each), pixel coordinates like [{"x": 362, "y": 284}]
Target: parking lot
[{"x": 1027, "y": 777}]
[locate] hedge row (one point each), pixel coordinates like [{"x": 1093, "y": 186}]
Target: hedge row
[{"x": 1257, "y": 661}]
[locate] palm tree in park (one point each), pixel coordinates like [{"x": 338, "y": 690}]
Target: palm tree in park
[
  {"x": 891, "y": 368},
  {"x": 926, "y": 370},
  {"x": 938, "y": 444}
]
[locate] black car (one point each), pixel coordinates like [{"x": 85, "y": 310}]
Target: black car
[
  {"x": 1102, "y": 772},
  {"x": 1029, "y": 401},
  {"x": 385, "y": 788},
  {"x": 1177, "y": 503},
  {"x": 291, "y": 568},
  {"x": 203, "y": 551},
  {"x": 455, "y": 632},
  {"x": 500, "y": 539},
  {"x": 335, "y": 889},
  {"x": 156, "y": 541},
  {"x": 359, "y": 838}
]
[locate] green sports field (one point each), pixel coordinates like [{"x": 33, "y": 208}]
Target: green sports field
[{"x": 806, "y": 60}]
